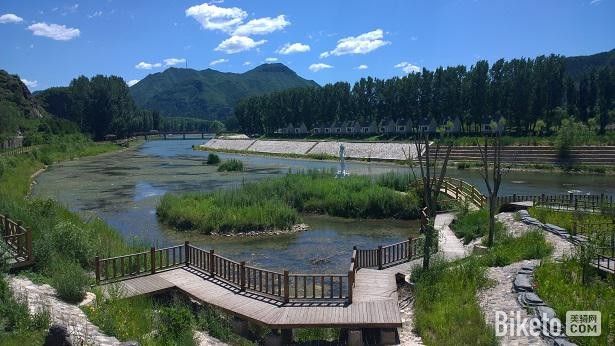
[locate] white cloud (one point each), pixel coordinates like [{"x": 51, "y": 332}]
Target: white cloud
[
  {"x": 146, "y": 66},
  {"x": 247, "y": 63},
  {"x": 30, "y": 83},
  {"x": 10, "y": 18},
  {"x": 54, "y": 31},
  {"x": 173, "y": 61},
  {"x": 133, "y": 82},
  {"x": 95, "y": 14},
  {"x": 236, "y": 44},
  {"x": 271, "y": 59},
  {"x": 362, "y": 67},
  {"x": 262, "y": 26},
  {"x": 361, "y": 44},
  {"x": 408, "y": 67},
  {"x": 291, "y": 48},
  {"x": 213, "y": 17},
  {"x": 218, "y": 61},
  {"x": 318, "y": 67},
  {"x": 595, "y": 2}
]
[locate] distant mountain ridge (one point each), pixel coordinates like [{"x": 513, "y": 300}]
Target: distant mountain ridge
[
  {"x": 211, "y": 94},
  {"x": 577, "y": 66}
]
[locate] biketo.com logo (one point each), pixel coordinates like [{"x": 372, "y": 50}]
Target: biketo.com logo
[
  {"x": 578, "y": 323},
  {"x": 583, "y": 323}
]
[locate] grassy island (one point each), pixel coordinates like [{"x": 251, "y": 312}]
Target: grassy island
[{"x": 276, "y": 204}]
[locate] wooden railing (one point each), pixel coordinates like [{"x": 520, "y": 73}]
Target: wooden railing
[
  {"x": 569, "y": 202},
  {"x": 282, "y": 286},
  {"x": 18, "y": 241},
  {"x": 20, "y": 150},
  {"x": 463, "y": 191}
]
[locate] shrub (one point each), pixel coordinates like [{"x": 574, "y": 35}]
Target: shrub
[
  {"x": 72, "y": 241},
  {"x": 570, "y": 134},
  {"x": 175, "y": 323},
  {"x": 473, "y": 224},
  {"x": 232, "y": 165},
  {"x": 69, "y": 280},
  {"x": 213, "y": 159}
]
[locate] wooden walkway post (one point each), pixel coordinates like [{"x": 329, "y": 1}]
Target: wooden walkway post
[
  {"x": 379, "y": 257},
  {"x": 350, "y": 285},
  {"x": 6, "y": 225},
  {"x": 286, "y": 287},
  {"x": 187, "y": 253},
  {"x": 211, "y": 262},
  {"x": 410, "y": 246},
  {"x": 152, "y": 255},
  {"x": 242, "y": 273}
]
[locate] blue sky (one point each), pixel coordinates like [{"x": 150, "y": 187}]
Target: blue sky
[{"x": 50, "y": 42}]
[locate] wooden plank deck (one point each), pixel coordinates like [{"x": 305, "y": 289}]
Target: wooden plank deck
[{"x": 374, "y": 303}]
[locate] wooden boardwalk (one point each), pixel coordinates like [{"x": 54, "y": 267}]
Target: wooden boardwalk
[{"x": 374, "y": 302}]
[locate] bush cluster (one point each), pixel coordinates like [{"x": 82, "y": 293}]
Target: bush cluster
[
  {"x": 232, "y": 165},
  {"x": 276, "y": 203}
]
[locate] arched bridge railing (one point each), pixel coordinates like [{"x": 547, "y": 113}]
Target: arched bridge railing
[
  {"x": 462, "y": 191},
  {"x": 278, "y": 285},
  {"x": 18, "y": 241}
]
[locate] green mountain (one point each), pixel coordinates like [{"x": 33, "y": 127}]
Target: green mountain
[
  {"x": 16, "y": 104},
  {"x": 210, "y": 94},
  {"x": 578, "y": 66},
  {"x": 15, "y": 92}
]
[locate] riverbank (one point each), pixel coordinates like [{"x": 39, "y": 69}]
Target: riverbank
[{"x": 595, "y": 160}]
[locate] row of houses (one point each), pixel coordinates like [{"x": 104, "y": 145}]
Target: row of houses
[{"x": 387, "y": 126}]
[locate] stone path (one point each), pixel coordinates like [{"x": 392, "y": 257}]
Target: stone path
[
  {"x": 43, "y": 297},
  {"x": 81, "y": 330},
  {"x": 501, "y": 297},
  {"x": 449, "y": 245},
  {"x": 450, "y": 248}
]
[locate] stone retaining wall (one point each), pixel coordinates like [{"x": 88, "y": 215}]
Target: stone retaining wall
[
  {"x": 282, "y": 147},
  {"x": 354, "y": 150}
]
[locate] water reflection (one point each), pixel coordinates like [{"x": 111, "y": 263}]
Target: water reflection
[{"x": 124, "y": 189}]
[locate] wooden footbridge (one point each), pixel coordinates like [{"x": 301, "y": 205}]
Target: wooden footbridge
[
  {"x": 17, "y": 241},
  {"x": 363, "y": 297}
]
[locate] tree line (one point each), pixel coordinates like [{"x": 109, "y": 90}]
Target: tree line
[
  {"x": 103, "y": 105},
  {"x": 531, "y": 94}
]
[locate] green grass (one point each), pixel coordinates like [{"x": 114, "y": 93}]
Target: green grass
[
  {"x": 507, "y": 249},
  {"x": 445, "y": 308},
  {"x": 59, "y": 236},
  {"x": 566, "y": 219},
  {"x": 276, "y": 203},
  {"x": 17, "y": 325},
  {"x": 232, "y": 165},
  {"x": 153, "y": 321},
  {"x": 470, "y": 225},
  {"x": 560, "y": 285}
]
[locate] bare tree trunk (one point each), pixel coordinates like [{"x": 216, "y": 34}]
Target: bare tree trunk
[
  {"x": 491, "y": 172},
  {"x": 432, "y": 182}
]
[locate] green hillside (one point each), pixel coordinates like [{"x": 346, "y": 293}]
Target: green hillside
[
  {"x": 16, "y": 104},
  {"x": 578, "y": 66},
  {"x": 209, "y": 93}
]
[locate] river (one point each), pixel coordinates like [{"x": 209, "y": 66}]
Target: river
[{"x": 124, "y": 188}]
